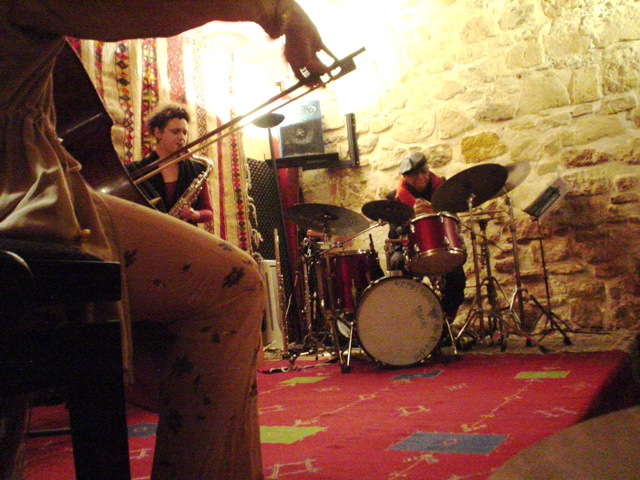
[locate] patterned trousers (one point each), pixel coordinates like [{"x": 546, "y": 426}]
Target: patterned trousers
[{"x": 209, "y": 298}]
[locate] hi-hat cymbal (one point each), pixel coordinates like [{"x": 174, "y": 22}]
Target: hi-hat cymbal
[
  {"x": 476, "y": 184},
  {"x": 516, "y": 173},
  {"x": 269, "y": 120},
  {"x": 391, "y": 211},
  {"x": 328, "y": 219}
]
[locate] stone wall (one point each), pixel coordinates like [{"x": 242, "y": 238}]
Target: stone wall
[{"x": 553, "y": 83}]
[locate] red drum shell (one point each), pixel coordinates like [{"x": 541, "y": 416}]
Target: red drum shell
[
  {"x": 435, "y": 244},
  {"x": 348, "y": 274}
]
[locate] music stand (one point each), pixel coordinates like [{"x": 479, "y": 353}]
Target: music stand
[{"x": 538, "y": 209}]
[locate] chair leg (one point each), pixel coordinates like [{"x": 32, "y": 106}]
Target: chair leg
[
  {"x": 87, "y": 358},
  {"x": 97, "y": 410},
  {"x": 12, "y": 427}
]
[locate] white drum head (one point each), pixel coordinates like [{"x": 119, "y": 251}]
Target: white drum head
[{"x": 399, "y": 321}]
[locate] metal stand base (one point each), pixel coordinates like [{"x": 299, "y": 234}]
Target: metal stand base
[
  {"x": 343, "y": 358},
  {"x": 547, "y": 312},
  {"x": 551, "y": 318},
  {"x": 498, "y": 327}
]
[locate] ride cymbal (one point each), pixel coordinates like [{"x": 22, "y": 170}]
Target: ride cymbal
[
  {"x": 328, "y": 219},
  {"x": 474, "y": 185},
  {"x": 391, "y": 211}
]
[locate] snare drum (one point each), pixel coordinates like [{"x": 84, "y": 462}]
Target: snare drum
[
  {"x": 399, "y": 321},
  {"x": 346, "y": 276},
  {"x": 435, "y": 244}
]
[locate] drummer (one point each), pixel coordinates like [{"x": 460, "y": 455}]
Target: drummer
[{"x": 415, "y": 188}]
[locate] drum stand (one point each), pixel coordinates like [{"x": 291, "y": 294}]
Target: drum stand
[
  {"x": 343, "y": 358},
  {"x": 335, "y": 317},
  {"x": 315, "y": 339},
  {"x": 437, "y": 283},
  {"x": 497, "y": 325},
  {"x": 552, "y": 318}
]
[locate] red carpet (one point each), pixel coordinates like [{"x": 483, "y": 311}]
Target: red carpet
[{"x": 461, "y": 419}]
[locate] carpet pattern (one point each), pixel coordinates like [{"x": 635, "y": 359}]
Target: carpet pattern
[
  {"x": 453, "y": 419},
  {"x": 438, "y": 421}
]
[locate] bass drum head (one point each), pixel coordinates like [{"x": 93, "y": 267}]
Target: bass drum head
[{"x": 399, "y": 321}]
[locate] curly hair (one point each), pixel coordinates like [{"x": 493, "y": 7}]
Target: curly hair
[{"x": 161, "y": 117}]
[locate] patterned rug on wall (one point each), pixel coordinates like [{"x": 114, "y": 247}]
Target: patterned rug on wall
[{"x": 458, "y": 418}]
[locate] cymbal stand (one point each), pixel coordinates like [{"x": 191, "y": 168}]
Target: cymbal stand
[
  {"x": 495, "y": 319},
  {"x": 497, "y": 323},
  {"x": 547, "y": 312},
  {"x": 476, "y": 306}
]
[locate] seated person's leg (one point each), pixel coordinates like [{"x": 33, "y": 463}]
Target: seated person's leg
[
  {"x": 397, "y": 261},
  {"x": 453, "y": 292},
  {"x": 209, "y": 295}
]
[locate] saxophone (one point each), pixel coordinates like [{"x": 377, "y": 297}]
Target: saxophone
[{"x": 191, "y": 193}]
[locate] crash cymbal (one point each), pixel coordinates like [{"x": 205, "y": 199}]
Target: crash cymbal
[
  {"x": 329, "y": 219},
  {"x": 478, "y": 184},
  {"x": 391, "y": 211},
  {"x": 516, "y": 173}
]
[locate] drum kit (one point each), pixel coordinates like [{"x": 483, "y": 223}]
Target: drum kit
[{"x": 397, "y": 319}]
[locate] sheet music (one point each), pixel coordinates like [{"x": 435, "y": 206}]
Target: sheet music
[{"x": 549, "y": 199}]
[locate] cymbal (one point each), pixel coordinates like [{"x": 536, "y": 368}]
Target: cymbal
[
  {"x": 478, "y": 183},
  {"x": 329, "y": 219},
  {"x": 516, "y": 173},
  {"x": 391, "y": 211},
  {"x": 269, "y": 120}
]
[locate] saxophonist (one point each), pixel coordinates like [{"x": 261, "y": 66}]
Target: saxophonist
[{"x": 180, "y": 189}]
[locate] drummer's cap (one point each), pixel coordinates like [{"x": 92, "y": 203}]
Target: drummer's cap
[{"x": 412, "y": 162}]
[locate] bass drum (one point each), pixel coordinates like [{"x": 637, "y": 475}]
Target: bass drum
[{"x": 399, "y": 321}]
